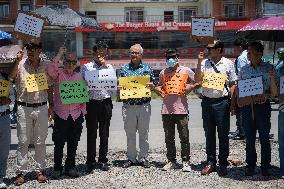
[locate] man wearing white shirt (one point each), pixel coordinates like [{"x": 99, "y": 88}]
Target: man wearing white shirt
[
  {"x": 215, "y": 106},
  {"x": 99, "y": 111}
]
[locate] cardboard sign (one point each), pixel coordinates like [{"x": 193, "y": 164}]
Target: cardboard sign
[
  {"x": 281, "y": 85},
  {"x": 212, "y": 80},
  {"x": 4, "y": 88},
  {"x": 202, "y": 30},
  {"x": 101, "y": 79},
  {"x": 134, "y": 87},
  {"x": 175, "y": 83},
  {"x": 28, "y": 26},
  {"x": 250, "y": 87},
  {"x": 73, "y": 92},
  {"x": 36, "y": 82}
]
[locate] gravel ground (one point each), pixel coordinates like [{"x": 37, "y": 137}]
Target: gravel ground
[{"x": 138, "y": 177}]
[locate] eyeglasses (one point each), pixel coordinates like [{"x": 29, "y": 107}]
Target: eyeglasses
[
  {"x": 70, "y": 62},
  {"x": 172, "y": 56},
  {"x": 134, "y": 52}
]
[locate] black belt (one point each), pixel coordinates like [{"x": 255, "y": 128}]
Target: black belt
[
  {"x": 34, "y": 105},
  {"x": 138, "y": 103},
  {"x": 6, "y": 112},
  {"x": 215, "y": 99}
]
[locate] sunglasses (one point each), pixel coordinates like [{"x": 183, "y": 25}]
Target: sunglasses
[
  {"x": 172, "y": 56},
  {"x": 71, "y": 62},
  {"x": 134, "y": 52}
]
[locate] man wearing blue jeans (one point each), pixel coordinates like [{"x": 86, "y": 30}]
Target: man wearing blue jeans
[{"x": 256, "y": 116}]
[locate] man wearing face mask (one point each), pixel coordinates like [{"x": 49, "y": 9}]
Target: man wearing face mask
[
  {"x": 99, "y": 111},
  {"x": 175, "y": 108},
  {"x": 215, "y": 106}
]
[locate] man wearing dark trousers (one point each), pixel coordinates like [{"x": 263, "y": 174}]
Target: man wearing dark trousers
[
  {"x": 215, "y": 105},
  {"x": 99, "y": 112}
]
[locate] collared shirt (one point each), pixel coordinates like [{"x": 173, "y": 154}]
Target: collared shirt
[
  {"x": 58, "y": 75},
  {"x": 26, "y": 68},
  {"x": 97, "y": 94},
  {"x": 141, "y": 70},
  {"x": 3, "y": 108},
  {"x": 280, "y": 72},
  {"x": 241, "y": 61},
  {"x": 175, "y": 104},
  {"x": 224, "y": 66},
  {"x": 262, "y": 69}
]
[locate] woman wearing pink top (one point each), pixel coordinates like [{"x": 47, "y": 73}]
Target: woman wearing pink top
[{"x": 68, "y": 118}]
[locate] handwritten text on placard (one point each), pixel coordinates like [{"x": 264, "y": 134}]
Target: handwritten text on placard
[
  {"x": 212, "y": 80},
  {"x": 73, "y": 92},
  {"x": 203, "y": 27},
  {"x": 101, "y": 79},
  {"x": 175, "y": 83},
  {"x": 134, "y": 87},
  {"x": 250, "y": 87},
  {"x": 29, "y": 25},
  {"x": 4, "y": 88},
  {"x": 36, "y": 82}
]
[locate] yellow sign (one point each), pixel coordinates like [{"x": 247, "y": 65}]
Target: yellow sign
[
  {"x": 212, "y": 80},
  {"x": 4, "y": 88},
  {"x": 36, "y": 82},
  {"x": 134, "y": 87}
]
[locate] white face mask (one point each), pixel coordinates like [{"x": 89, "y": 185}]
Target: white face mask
[{"x": 171, "y": 62}]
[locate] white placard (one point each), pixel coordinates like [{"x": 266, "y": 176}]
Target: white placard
[
  {"x": 29, "y": 25},
  {"x": 202, "y": 27},
  {"x": 250, "y": 87},
  {"x": 281, "y": 85},
  {"x": 101, "y": 79}
]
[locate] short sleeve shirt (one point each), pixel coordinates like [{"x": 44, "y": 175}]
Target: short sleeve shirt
[{"x": 224, "y": 66}]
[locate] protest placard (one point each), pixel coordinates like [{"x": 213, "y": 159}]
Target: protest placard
[
  {"x": 73, "y": 92},
  {"x": 281, "y": 85},
  {"x": 4, "y": 88},
  {"x": 174, "y": 83},
  {"x": 250, "y": 87},
  {"x": 202, "y": 29},
  {"x": 212, "y": 80},
  {"x": 101, "y": 79},
  {"x": 134, "y": 87},
  {"x": 36, "y": 82},
  {"x": 28, "y": 26}
]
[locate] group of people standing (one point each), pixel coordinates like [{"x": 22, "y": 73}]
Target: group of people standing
[{"x": 36, "y": 107}]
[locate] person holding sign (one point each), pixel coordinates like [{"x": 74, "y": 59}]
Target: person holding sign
[
  {"x": 68, "y": 118},
  {"x": 33, "y": 92},
  {"x": 218, "y": 77},
  {"x": 256, "y": 115},
  {"x": 136, "y": 111},
  {"x": 6, "y": 97},
  {"x": 99, "y": 109},
  {"x": 173, "y": 87}
]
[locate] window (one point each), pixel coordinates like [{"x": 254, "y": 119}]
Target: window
[
  {"x": 134, "y": 14},
  {"x": 92, "y": 14},
  {"x": 185, "y": 13},
  {"x": 4, "y": 10},
  {"x": 62, "y": 3},
  {"x": 234, "y": 9},
  {"x": 26, "y": 5},
  {"x": 168, "y": 16}
]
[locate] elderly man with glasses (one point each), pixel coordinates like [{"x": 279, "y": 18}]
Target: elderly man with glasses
[
  {"x": 136, "y": 111},
  {"x": 99, "y": 111},
  {"x": 33, "y": 112}
]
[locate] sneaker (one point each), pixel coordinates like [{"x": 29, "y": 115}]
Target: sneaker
[
  {"x": 20, "y": 179},
  {"x": 2, "y": 184},
  {"x": 169, "y": 166},
  {"x": 265, "y": 172},
  {"x": 127, "y": 164},
  {"x": 208, "y": 168},
  {"x": 104, "y": 167},
  {"x": 186, "y": 166},
  {"x": 56, "y": 174},
  {"x": 72, "y": 173},
  {"x": 145, "y": 163},
  {"x": 41, "y": 178}
]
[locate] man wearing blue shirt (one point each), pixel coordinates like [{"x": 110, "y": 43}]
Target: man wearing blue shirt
[{"x": 136, "y": 111}]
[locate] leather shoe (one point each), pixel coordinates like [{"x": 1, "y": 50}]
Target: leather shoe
[
  {"x": 104, "y": 167},
  {"x": 128, "y": 164},
  {"x": 41, "y": 178},
  {"x": 265, "y": 172},
  {"x": 249, "y": 171},
  {"x": 20, "y": 179},
  {"x": 209, "y": 168},
  {"x": 238, "y": 137},
  {"x": 223, "y": 171}
]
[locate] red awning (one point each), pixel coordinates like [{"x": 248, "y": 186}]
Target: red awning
[{"x": 160, "y": 26}]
